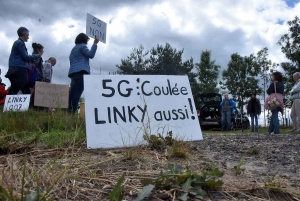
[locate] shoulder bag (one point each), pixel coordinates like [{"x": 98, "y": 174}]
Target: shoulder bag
[{"x": 273, "y": 103}]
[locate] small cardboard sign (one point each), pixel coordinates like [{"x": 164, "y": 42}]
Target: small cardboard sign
[
  {"x": 51, "y": 95},
  {"x": 95, "y": 28},
  {"x": 123, "y": 110},
  {"x": 16, "y": 103}
]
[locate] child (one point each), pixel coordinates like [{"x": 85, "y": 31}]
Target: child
[
  {"x": 3, "y": 92},
  {"x": 47, "y": 69}
]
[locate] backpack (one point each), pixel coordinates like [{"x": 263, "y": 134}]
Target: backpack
[{"x": 32, "y": 75}]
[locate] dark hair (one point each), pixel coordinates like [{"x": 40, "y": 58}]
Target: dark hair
[
  {"x": 21, "y": 31},
  {"x": 277, "y": 76},
  {"x": 36, "y": 46},
  {"x": 82, "y": 38},
  {"x": 253, "y": 93}
]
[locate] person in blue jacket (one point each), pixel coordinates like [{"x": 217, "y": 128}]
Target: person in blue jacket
[
  {"x": 227, "y": 109},
  {"x": 79, "y": 65},
  {"x": 18, "y": 63}
]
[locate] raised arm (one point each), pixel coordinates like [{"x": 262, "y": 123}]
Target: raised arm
[
  {"x": 222, "y": 103},
  {"x": 89, "y": 53}
]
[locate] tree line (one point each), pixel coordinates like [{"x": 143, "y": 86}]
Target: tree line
[{"x": 241, "y": 77}]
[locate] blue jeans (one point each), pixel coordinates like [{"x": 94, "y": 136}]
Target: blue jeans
[
  {"x": 226, "y": 118},
  {"x": 76, "y": 91},
  {"x": 274, "y": 122},
  {"x": 254, "y": 116}
]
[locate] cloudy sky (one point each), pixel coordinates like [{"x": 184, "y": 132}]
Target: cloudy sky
[{"x": 224, "y": 27}]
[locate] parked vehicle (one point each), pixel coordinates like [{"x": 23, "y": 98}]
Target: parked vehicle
[{"x": 210, "y": 113}]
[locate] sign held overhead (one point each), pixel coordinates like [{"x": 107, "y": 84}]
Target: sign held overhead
[{"x": 95, "y": 28}]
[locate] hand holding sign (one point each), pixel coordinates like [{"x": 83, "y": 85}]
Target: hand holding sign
[
  {"x": 95, "y": 28},
  {"x": 96, "y": 40}
]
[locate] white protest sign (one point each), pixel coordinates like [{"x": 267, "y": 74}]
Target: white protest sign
[
  {"x": 16, "y": 103},
  {"x": 51, "y": 95},
  {"x": 120, "y": 109},
  {"x": 95, "y": 28}
]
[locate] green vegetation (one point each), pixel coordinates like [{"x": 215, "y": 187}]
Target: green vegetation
[
  {"x": 240, "y": 78},
  {"x": 9, "y": 194},
  {"x": 186, "y": 183},
  {"x": 238, "y": 170},
  {"x": 176, "y": 147},
  {"x": 25, "y": 129},
  {"x": 208, "y": 73},
  {"x": 253, "y": 151},
  {"x": 117, "y": 193},
  {"x": 179, "y": 149},
  {"x": 274, "y": 184}
]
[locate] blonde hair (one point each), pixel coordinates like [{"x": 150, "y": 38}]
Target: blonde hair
[{"x": 52, "y": 58}]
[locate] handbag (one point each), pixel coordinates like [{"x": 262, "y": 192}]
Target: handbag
[{"x": 273, "y": 103}]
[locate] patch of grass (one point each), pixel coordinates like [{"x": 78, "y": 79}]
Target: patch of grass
[
  {"x": 274, "y": 184},
  {"x": 40, "y": 127},
  {"x": 238, "y": 168},
  {"x": 209, "y": 167},
  {"x": 176, "y": 147},
  {"x": 132, "y": 153},
  {"x": 188, "y": 185},
  {"x": 179, "y": 149},
  {"x": 253, "y": 151},
  {"x": 29, "y": 187},
  {"x": 159, "y": 141},
  {"x": 117, "y": 193}
]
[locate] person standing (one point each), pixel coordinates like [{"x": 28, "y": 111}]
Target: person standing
[
  {"x": 38, "y": 49},
  {"x": 48, "y": 70},
  {"x": 79, "y": 65},
  {"x": 227, "y": 109},
  {"x": 274, "y": 127},
  {"x": 295, "y": 113},
  {"x": 18, "y": 63},
  {"x": 254, "y": 109}
]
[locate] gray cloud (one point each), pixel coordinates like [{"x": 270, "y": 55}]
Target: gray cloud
[{"x": 40, "y": 16}]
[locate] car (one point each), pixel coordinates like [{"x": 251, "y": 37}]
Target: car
[{"x": 209, "y": 113}]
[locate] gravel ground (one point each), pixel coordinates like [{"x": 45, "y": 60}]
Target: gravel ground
[{"x": 264, "y": 156}]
